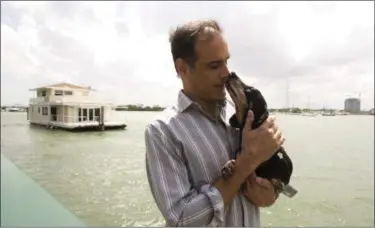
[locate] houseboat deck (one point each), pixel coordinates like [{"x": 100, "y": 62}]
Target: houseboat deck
[{"x": 90, "y": 125}]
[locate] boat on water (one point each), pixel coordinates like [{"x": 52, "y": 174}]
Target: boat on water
[
  {"x": 328, "y": 114},
  {"x": 341, "y": 113},
  {"x": 71, "y": 107},
  {"x": 13, "y": 109},
  {"x": 311, "y": 114}
]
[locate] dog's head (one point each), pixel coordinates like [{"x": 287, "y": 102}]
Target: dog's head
[
  {"x": 236, "y": 90},
  {"x": 245, "y": 97}
]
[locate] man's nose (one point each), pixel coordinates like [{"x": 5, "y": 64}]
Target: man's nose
[{"x": 225, "y": 72}]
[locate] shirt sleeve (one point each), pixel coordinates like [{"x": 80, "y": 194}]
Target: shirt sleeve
[{"x": 179, "y": 202}]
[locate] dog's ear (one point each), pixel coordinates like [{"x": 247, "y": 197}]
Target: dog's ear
[
  {"x": 234, "y": 122},
  {"x": 288, "y": 163}
]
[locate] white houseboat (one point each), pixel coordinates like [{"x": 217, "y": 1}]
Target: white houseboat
[{"x": 71, "y": 107}]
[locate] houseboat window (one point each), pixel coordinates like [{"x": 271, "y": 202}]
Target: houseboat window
[
  {"x": 79, "y": 114},
  {"x": 53, "y": 112},
  {"x": 84, "y": 114},
  {"x": 45, "y": 111},
  {"x": 68, "y": 92},
  {"x": 43, "y": 93},
  {"x": 59, "y": 92},
  {"x": 38, "y": 109},
  {"x": 97, "y": 114},
  {"x": 91, "y": 114}
]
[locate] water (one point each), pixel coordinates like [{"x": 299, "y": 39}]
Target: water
[{"x": 100, "y": 176}]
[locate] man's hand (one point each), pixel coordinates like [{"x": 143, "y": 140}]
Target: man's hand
[
  {"x": 259, "y": 191},
  {"x": 258, "y": 145}
]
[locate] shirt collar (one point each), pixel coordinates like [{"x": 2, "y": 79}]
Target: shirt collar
[{"x": 184, "y": 102}]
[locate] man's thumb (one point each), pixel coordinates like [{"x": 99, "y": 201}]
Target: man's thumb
[{"x": 249, "y": 119}]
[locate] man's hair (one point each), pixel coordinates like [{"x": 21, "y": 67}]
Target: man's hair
[{"x": 183, "y": 38}]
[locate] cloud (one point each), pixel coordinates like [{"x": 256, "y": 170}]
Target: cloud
[{"x": 324, "y": 49}]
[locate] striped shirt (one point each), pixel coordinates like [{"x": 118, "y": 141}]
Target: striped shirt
[{"x": 185, "y": 152}]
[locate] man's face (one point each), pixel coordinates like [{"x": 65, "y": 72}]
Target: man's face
[{"x": 207, "y": 77}]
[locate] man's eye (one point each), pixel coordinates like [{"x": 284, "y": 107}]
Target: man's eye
[{"x": 214, "y": 66}]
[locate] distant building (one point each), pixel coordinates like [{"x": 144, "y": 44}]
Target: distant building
[{"x": 352, "y": 105}]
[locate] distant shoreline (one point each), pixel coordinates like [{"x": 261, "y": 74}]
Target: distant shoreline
[
  {"x": 141, "y": 110},
  {"x": 157, "y": 108}
]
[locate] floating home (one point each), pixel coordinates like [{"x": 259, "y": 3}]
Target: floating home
[{"x": 71, "y": 107}]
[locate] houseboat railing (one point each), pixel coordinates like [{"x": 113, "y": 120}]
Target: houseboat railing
[
  {"x": 73, "y": 119},
  {"x": 67, "y": 99}
]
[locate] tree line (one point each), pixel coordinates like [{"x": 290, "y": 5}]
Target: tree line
[{"x": 139, "y": 108}]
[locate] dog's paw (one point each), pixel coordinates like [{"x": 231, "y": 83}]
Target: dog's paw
[{"x": 228, "y": 169}]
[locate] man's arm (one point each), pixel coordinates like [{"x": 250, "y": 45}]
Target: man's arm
[{"x": 180, "y": 204}]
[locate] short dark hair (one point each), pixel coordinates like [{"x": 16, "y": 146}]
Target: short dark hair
[{"x": 184, "y": 37}]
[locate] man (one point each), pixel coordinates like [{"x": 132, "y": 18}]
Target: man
[{"x": 187, "y": 146}]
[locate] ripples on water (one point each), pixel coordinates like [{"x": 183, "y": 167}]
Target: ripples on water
[{"x": 100, "y": 176}]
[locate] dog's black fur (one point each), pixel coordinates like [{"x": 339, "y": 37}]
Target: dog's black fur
[{"x": 278, "y": 167}]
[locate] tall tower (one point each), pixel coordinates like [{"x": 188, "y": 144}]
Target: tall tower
[{"x": 352, "y": 105}]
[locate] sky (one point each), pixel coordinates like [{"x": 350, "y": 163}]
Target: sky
[{"x": 322, "y": 51}]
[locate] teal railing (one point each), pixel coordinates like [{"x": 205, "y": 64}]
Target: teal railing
[{"x": 25, "y": 203}]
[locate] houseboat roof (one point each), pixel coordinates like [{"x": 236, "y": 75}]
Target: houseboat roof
[{"x": 63, "y": 86}]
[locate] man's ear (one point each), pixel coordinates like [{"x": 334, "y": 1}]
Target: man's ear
[{"x": 181, "y": 67}]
